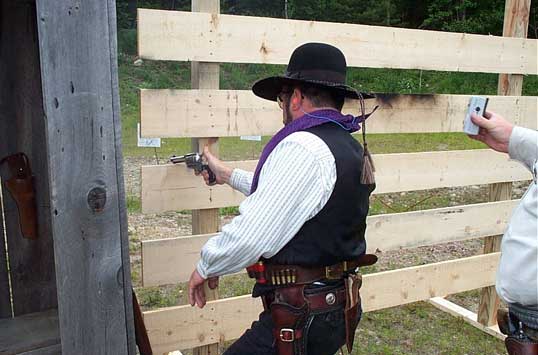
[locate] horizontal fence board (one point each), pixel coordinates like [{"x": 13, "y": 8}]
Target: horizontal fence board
[
  {"x": 185, "y": 327},
  {"x": 174, "y": 187},
  {"x": 171, "y": 260},
  {"x": 186, "y": 36},
  {"x": 465, "y": 315},
  {"x": 231, "y": 113}
]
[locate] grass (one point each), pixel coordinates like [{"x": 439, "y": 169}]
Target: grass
[
  {"x": 134, "y": 204},
  {"x": 420, "y": 329},
  {"x": 412, "y": 329}
]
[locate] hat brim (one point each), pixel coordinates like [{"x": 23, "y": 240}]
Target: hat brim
[{"x": 269, "y": 88}]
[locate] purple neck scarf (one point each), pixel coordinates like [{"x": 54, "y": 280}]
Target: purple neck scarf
[{"x": 309, "y": 120}]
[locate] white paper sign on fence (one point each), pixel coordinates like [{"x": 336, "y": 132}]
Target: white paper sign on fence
[
  {"x": 147, "y": 142},
  {"x": 251, "y": 138}
]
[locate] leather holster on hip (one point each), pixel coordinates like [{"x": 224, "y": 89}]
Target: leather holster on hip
[
  {"x": 516, "y": 342},
  {"x": 516, "y": 346},
  {"x": 290, "y": 312}
]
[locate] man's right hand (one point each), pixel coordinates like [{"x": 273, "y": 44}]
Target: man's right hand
[
  {"x": 221, "y": 171},
  {"x": 494, "y": 130}
]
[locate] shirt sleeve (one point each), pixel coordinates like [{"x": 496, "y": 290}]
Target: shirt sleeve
[
  {"x": 523, "y": 146},
  {"x": 241, "y": 181},
  {"x": 289, "y": 193}
]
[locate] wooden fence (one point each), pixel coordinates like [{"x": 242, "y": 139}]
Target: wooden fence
[{"x": 208, "y": 112}]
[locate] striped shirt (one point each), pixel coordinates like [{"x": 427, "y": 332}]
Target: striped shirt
[{"x": 295, "y": 183}]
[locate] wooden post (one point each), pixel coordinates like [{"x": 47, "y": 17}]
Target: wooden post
[
  {"x": 516, "y": 23},
  {"x": 206, "y": 76},
  {"x": 22, "y": 129},
  {"x": 78, "y": 52}
]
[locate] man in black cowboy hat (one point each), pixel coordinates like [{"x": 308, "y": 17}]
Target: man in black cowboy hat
[{"x": 300, "y": 232}]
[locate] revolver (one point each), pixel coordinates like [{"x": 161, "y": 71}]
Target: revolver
[{"x": 194, "y": 161}]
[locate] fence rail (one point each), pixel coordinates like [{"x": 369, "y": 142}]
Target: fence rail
[
  {"x": 203, "y": 37},
  {"x": 174, "y": 187},
  {"x": 232, "y": 113},
  {"x": 169, "y": 261}
]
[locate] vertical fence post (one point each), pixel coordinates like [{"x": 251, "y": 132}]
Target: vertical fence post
[
  {"x": 516, "y": 23},
  {"x": 206, "y": 76}
]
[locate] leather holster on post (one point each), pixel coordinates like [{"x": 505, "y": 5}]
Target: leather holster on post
[
  {"x": 517, "y": 340},
  {"x": 20, "y": 185}
]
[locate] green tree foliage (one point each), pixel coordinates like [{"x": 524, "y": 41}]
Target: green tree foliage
[
  {"x": 483, "y": 16},
  {"x": 264, "y": 8},
  {"x": 469, "y": 16}
]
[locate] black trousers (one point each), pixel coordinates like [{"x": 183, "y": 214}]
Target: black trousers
[{"x": 325, "y": 335}]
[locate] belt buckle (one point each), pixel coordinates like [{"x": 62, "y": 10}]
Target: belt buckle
[
  {"x": 287, "y": 335},
  {"x": 335, "y": 273}
]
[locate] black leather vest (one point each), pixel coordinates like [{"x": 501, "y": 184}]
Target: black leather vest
[{"x": 336, "y": 233}]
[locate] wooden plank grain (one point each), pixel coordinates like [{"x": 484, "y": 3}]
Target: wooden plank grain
[
  {"x": 169, "y": 261},
  {"x": 185, "y": 327},
  {"x": 122, "y": 200},
  {"x": 184, "y": 36},
  {"x": 31, "y": 262},
  {"x": 229, "y": 113},
  {"x": 174, "y": 187},
  {"x": 80, "y": 93},
  {"x": 489, "y": 301}
]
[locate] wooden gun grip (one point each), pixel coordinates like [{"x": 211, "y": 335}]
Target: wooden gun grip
[{"x": 20, "y": 186}]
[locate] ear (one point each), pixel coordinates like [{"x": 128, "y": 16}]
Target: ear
[{"x": 296, "y": 99}]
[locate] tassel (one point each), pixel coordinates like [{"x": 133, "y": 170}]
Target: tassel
[{"x": 368, "y": 168}]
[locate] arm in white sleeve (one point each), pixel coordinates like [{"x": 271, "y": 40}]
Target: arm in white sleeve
[
  {"x": 241, "y": 181},
  {"x": 289, "y": 193},
  {"x": 523, "y": 146}
]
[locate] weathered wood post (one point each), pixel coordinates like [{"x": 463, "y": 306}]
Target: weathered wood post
[
  {"x": 516, "y": 23},
  {"x": 78, "y": 57},
  {"x": 206, "y": 76}
]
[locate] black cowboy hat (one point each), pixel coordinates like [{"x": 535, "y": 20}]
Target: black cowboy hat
[{"x": 319, "y": 64}]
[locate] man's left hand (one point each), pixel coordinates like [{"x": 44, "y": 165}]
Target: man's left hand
[{"x": 196, "y": 288}]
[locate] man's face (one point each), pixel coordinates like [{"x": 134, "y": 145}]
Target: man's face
[{"x": 283, "y": 100}]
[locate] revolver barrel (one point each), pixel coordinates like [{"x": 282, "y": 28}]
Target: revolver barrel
[
  {"x": 187, "y": 158},
  {"x": 177, "y": 160}
]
